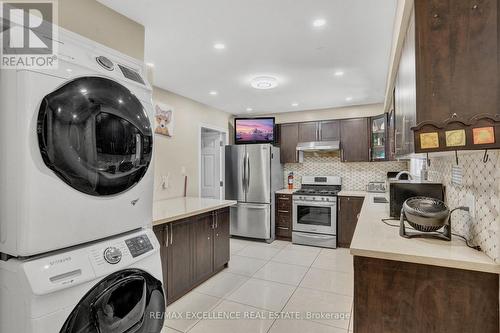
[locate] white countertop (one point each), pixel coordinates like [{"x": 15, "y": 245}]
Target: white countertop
[
  {"x": 174, "y": 209},
  {"x": 352, "y": 193},
  {"x": 287, "y": 191},
  {"x": 375, "y": 239}
]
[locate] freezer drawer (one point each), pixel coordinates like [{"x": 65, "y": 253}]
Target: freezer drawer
[{"x": 251, "y": 220}]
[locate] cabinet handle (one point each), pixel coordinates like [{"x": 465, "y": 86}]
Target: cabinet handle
[
  {"x": 283, "y": 198},
  {"x": 282, "y": 228},
  {"x": 171, "y": 235},
  {"x": 165, "y": 238},
  {"x": 283, "y": 211},
  {"x": 357, "y": 217}
]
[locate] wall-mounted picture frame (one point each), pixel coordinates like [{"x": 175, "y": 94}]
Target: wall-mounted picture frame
[{"x": 164, "y": 120}]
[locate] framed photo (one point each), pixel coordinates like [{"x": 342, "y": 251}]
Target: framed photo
[{"x": 164, "y": 120}]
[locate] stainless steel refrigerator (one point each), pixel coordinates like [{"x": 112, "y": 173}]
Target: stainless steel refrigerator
[{"x": 253, "y": 174}]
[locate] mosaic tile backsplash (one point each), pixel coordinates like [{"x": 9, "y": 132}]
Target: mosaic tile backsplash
[
  {"x": 482, "y": 181},
  {"x": 355, "y": 176}
]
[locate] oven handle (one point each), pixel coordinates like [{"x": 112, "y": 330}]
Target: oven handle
[{"x": 315, "y": 203}]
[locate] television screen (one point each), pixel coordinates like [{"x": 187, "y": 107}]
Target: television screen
[{"x": 253, "y": 130}]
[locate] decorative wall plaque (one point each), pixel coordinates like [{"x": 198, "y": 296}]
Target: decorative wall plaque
[
  {"x": 455, "y": 138},
  {"x": 483, "y": 135},
  {"x": 429, "y": 140}
]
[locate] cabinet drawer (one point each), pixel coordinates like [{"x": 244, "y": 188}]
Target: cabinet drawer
[
  {"x": 284, "y": 202},
  {"x": 284, "y": 219},
  {"x": 283, "y": 232}
]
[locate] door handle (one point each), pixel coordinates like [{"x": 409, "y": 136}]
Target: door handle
[
  {"x": 138, "y": 149},
  {"x": 244, "y": 179},
  {"x": 248, "y": 171}
]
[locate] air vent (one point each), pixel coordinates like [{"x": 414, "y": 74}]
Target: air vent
[
  {"x": 131, "y": 74},
  {"x": 105, "y": 63}
]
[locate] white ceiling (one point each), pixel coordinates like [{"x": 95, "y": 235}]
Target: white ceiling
[{"x": 268, "y": 37}]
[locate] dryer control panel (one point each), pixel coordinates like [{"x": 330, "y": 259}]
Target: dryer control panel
[{"x": 139, "y": 245}]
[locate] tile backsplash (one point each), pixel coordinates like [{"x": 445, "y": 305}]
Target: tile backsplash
[
  {"x": 481, "y": 182},
  {"x": 355, "y": 176}
]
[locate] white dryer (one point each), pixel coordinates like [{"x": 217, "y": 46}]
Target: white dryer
[
  {"x": 76, "y": 147},
  {"x": 110, "y": 286}
]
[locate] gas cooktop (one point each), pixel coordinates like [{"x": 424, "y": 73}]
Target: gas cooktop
[{"x": 324, "y": 186}]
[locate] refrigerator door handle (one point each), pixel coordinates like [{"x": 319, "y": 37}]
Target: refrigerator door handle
[
  {"x": 244, "y": 179},
  {"x": 248, "y": 171}
]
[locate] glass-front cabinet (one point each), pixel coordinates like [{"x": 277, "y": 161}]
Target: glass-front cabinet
[{"x": 378, "y": 139}]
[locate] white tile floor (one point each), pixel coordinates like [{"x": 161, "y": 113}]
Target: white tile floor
[{"x": 311, "y": 288}]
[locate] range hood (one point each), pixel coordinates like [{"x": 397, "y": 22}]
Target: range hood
[{"x": 319, "y": 146}]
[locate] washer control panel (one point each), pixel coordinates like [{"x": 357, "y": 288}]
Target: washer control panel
[
  {"x": 112, "y": 255},
  {"x": 139, "y": 245}
]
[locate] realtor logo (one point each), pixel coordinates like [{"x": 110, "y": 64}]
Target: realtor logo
[{"x": 28, "y": 34}]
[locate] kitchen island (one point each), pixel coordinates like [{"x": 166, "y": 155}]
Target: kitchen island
[
  {"x": 409, "y": 285},
  {"x": 194, "y": 237}
]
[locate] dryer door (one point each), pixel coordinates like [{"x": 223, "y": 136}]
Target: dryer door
[
  {"x": 95, "y": 135},
  {"x": 127, "y": 301}
]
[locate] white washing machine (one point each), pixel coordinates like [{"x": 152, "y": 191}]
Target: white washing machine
[
  {"x": 76, "y": 147},
  {"x": 109, "y": 286}
]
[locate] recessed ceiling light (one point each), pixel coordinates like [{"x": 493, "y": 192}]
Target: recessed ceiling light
[
  {"x": 348, "y": 99},
  {"x": 295, "y": 104},
  {"x": 150, "y": 64},
  {"x": 318, "y": 23},
  {"x": 339, "y": 73},
  {"x": 249, "y": 109},
  {"x": 219, "y": 46},
  {"x": 213, "y": 93},
  {"x": 264, "y": 82}
]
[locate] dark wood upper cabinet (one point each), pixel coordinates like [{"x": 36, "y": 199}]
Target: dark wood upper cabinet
[
  {"x": 329, "y": 130},
  {"x": 289, "y": 137},
  {"x": 379, "y": 138},
  {"x": 457, "y": 64},
  {"x": 308, "y": 131},
  {"x": 354, "y": 140}
]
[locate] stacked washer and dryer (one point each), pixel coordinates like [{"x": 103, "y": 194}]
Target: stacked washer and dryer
[{"x": 76, "y": 190}]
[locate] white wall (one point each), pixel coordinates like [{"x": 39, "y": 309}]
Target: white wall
[{"x": 182, "y": 150}]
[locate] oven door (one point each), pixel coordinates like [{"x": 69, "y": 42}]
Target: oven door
[{"x": 316, "y": 217}]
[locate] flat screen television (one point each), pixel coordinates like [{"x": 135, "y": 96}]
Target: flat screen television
[{"x": 254, "y": 130}]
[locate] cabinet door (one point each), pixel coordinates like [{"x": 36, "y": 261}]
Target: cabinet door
[
  {"x": 179, "y": 261},
  {"x": 221, "y": 238},
  {"x": 354, "y": 140},
  {"x": 378, "y": 138},
  {"x": 308, "y": 132},
  {"x": 289, "y": 137},
  {"x": 349, "y": 209},
  {"x": 329, "y": 130},
  {"x": 203, "y": 249},
  {"x": 160, "y": 232}
]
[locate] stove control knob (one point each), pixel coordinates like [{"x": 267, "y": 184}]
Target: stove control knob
[
  {"x": 314, "y": 198},
  {"x": 324, "y": 199},
  {"x": 112, "y": 255}
]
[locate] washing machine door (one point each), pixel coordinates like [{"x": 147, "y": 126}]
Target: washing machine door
[
  {"x": 129, "y": 301},
  {"x": 95, "y": 135}
]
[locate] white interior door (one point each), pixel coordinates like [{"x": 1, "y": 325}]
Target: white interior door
[{"x": 210, "y": 165}]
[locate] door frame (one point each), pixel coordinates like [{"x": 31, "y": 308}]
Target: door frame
[{"x": 224, "y": 132}]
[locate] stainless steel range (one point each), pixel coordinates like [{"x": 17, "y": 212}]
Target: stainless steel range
[{"x": 315, "y": 211}]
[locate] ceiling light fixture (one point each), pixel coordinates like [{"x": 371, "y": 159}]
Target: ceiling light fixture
[
  {"x": 318, "y": 23},
  {"x": 295, "y": 104},
  {"x": 264, "y": 82},
  {"x": 249, "y": 109},
  {"x": 339, "y": 73},
  {"x": 213, "y": 93},
  {"x": 348, "y": 99},
  {"x": 219, "y": 46}
]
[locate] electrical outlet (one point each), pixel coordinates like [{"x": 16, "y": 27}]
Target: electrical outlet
[
  {"x": 165, "y": 181},
  {"x": 470, "y": 201}
]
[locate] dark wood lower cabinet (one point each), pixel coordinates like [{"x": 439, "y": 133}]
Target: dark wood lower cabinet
[
  {"x": 193, "y": 250},
  {"x": 283, "y": 216},
  {"x": 401, "y": 297},
  {"x": 348, "y": 213}
]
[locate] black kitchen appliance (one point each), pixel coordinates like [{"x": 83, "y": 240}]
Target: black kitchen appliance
[{"x": 401, "y": 190}]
